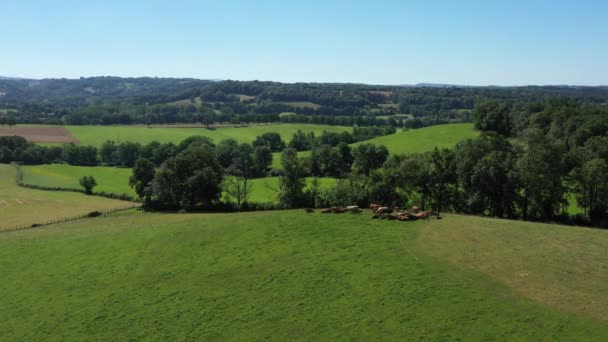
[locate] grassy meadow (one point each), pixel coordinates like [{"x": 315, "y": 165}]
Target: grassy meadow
[
  {"x": 116, "y": 180},
  {"x": 109, "y": 179},
  {"x": 21, "y": 206},
  {"x": 265, "y": 190},
  {"x": 288, "y": 275},
  {"x": 412, "y": 141},
  {"x": 97, "y": 135},
  {"x": 425, "y": 139}
]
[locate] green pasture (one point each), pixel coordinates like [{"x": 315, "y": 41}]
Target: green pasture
[
  {"x": 116, "y": 180},
  {"x": 265, "y": 190},
  {"x": 109, "y": 179},
  {"x": 424, "y": 139},
  {"x": 287, "y": 275},
  {"x": 412, "y": 141},
  {"x": 21, "y": 206},
  {"x": 97, "y": 135},
  {"x": 301, "y": 104}
]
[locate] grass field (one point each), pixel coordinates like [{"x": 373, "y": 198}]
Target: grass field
[
  {"x": 97, "y": 135},
  {"x": 292, "y": 276},
  {"x": 20, "y": 206},
  {"x": 301, "y": 104},
  {"x": 116, "y": 180},
  {"x": 412, "y": 141},
  {"x": 197, "y": 102},
  {"x": 109, "y": 179},
  {"x": 425, "y": 139},
  {"x": 265, "y": 190}
]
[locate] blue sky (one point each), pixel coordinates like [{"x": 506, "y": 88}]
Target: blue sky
[{"x": 381, "y": 42}]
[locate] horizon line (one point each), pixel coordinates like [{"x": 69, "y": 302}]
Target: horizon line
[{"x": 417, "y": 84}]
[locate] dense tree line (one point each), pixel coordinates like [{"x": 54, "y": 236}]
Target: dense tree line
[
  {"x": 125, "y": 154},
  {"x": 113, "y": 100},
  {"x": 526, "y": 164},
  {"x": 301, "y": 141}
]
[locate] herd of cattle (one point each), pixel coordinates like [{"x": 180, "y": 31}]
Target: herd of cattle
[{"x": 382, "y": 212}]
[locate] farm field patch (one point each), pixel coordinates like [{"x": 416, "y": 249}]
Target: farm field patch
[
  {"x": 97, "y": 135},
  {"x": 425, "y": 139},
  {"x": 301, "y": 104},
  {"x": 412, "y": 141},
  {"x": 116, "y": 180},
  {"x": 21, "y": 206},
  {"x": 109, "y": 179},
  {"x": 44, "y": 134}
]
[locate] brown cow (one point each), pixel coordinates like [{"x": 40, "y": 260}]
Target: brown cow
[
  {"x": 326, "y": 211},
  {"x": 338, "y": 210},
  {"x": 423, "y": 215},
  {"x": 416, "y": 209},
  {"x": 383, "y": 210},
  {"x": 403, "y": 218},
  {"x": 353, "y": 209},
  {"x": 374, "y": 207}
]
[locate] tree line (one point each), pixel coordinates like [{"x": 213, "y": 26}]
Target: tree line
[
  {"x": 527, "y": 164},
  {"x": 113, "y": 100},
  {"x": 124, "y": 154}
]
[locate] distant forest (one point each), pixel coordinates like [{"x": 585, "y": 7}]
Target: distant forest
[{"x": 114, "y": 100}]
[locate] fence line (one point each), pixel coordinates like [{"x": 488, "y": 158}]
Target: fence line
[{"x": 75, "y": 217}]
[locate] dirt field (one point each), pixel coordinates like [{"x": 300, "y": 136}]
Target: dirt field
[{"x": 47, "y": 134}]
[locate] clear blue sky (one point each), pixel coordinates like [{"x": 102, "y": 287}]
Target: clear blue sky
[{"x": 382, "y": 42}]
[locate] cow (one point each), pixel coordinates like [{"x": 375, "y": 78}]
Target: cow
[
  {"x": 353, "y": 209},
  {"x": 403, "y": 218},
  {"x": 374, "y": 207},
  {"x": 338, "y": 210},
  {"x": 383, "y": 210},
  {"x": 416, "y": 209},
  {"x": 423, "y": 215},
  {"x": 391, "y": 217},
  {"x": 326, "y": 211}
]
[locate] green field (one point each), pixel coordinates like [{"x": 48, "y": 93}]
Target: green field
[
  {"x": 301, "y": 104},
  {"x": 292, "y": 276},
  {"x": 20, "y": 206},
  {"x": 97, "y": 135},
  {"x": 412, "y": 141},
  {"x": 265, "y": 190},
  {"x": 425, "y": 139},
  {"x": 116, "y": 180},
  {"x": 109, "y": 179}
]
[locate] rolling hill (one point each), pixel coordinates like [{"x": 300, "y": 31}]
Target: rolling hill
[{"x": 289, "y": 275}]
